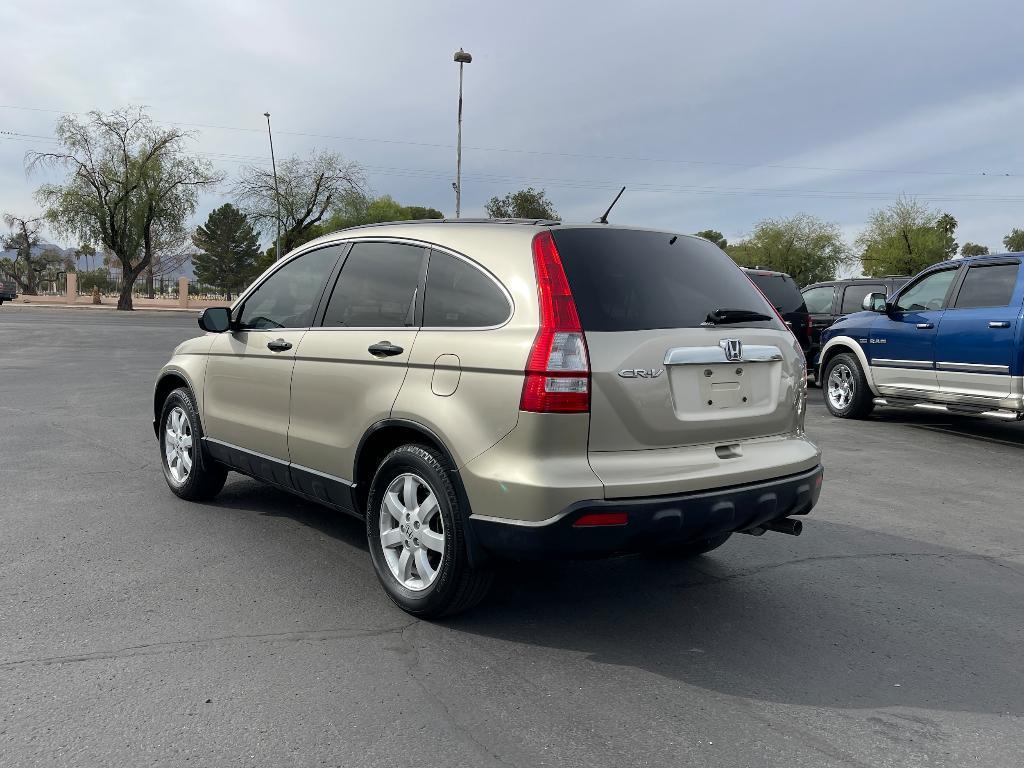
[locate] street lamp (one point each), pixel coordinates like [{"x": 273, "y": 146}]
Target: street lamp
[
  {"x": 462, "y": 58},
  {"x": 277, "y": 193}
]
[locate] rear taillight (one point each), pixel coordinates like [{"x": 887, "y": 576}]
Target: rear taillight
[{"x": 558, "y": 369}]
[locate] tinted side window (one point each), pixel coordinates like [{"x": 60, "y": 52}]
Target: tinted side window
[
  {"x": 853, "y": 296},
  {"x": 376, "y": 287},
  {"x": 289, "y": 297},
  {"x": 458, "y": 295},
  {"x": 988, "y": 286},
  {"x": 631, "y": 280},
  {"x": 929, "y": 293},
  {"x": 819, "y": 300}
]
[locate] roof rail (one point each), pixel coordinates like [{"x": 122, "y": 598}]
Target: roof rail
[{"x": 528, "y": 222}]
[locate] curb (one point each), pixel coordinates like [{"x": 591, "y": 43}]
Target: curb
[{"x": 99, "y": 307}]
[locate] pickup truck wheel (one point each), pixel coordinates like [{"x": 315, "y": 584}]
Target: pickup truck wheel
[
  {"x": 189, "y": 474},
  {"x": 847, "y": 394},
  {"x": 416, "y": 531}
]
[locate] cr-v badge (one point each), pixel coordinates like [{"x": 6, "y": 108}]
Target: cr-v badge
[{"x": 641, "y": 373}]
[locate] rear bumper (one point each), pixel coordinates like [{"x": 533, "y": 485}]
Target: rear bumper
[{"x": 653, "y": 521}]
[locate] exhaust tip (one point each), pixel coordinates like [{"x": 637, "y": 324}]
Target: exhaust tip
[{"x": 786, "y": 525}]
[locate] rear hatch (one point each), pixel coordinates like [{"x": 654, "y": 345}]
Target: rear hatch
[{"x": 662, "y": 375}]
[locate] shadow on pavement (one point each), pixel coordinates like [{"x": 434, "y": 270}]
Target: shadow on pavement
[
  {"x": 889, "y": 622},
  {"x": 853, "y": 618},
  {"x": 246, "y": 495}
]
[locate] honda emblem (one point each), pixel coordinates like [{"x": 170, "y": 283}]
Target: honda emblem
[{"x": 733, "y": 349}]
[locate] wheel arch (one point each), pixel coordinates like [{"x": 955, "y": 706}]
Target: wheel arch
[
  {"x": 839, "y": 345},
  {"x": 383, "y": 437},
  {"x": 168, "y": 381}
]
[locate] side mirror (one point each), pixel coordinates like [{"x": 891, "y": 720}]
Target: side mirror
[
  {"x": 215, "y": 319},
  {"x": 875, "y": 302}
]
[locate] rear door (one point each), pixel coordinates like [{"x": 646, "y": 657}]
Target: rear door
[
  {"x": 662, "y": 376},
  {"x": 975, "y": 345},
  {"x": 901, "y": 346},
  {"x": 350, "y": 369}
]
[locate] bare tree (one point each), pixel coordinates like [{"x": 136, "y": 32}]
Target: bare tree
[
  {"x": 309, "y": 189},
  {"x": 129, "y": 178},
  {"x": 26, "y": 265}
]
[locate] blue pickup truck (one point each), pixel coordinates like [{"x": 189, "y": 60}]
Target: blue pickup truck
[{"x": 951, "y": 339}]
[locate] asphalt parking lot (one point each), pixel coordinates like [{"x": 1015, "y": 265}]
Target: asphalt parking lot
[{"x": 138, "y": 629}]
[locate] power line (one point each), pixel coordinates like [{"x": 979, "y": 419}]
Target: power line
[
  {"x": 573, "y": 155},
  {"x": 612, "y": 185}
]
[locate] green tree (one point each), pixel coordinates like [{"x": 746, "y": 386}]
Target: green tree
[
  {"x": 803, "y": 246},
  {"x": 129, "y": 180},
  {"x": 85, "y": 251},
  {"x": 905, "y": 238},
  {"x": 714, "y": 236},
  {"x": 973, "y": 249},
  {"x": 947, "y": 225},
  {"x": 229, "y": 248},
  {"x": 527, "y": 203},
  {"x": 1014, "y": 241},
  {"x": 416, "y": 212},
  {"x": 309, "y": 190}
]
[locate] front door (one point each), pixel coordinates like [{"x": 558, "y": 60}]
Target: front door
[
  {"x": 975, "y": 344},
  {"x": 248, "y": 375},
  {"x": 902, "y": 342},
  {"x": 350, "y": 369}
]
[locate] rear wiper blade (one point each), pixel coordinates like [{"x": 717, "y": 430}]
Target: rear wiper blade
[{"x": 727, "y": 316}]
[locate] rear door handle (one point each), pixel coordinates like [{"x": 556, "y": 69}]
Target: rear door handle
[
  {"x": 924, "y": 326},
  {"x": 999, "y": 324},
  {"x": 384, "y": 349},
  {"x": 279, "y": 345}
]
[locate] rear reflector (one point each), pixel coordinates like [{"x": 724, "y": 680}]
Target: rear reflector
[{"x": 601, "y": 518}]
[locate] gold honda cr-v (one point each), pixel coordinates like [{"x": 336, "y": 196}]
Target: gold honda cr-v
[{"x": 485, "y": 389}]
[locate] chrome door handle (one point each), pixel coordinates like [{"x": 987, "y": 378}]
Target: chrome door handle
[
  {"x": 999, "y": 324},
  {"x": 279, "y": 345},
  {"x": 924, "y": 326}
]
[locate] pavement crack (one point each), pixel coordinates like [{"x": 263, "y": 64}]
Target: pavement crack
[
  {"x": 176, "y": 646},
  {"x": 414, "y": 672}
]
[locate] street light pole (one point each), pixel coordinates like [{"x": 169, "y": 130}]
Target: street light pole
[
  {"x": 277, "y": 193},
  {"x": 462, "y": 58}
]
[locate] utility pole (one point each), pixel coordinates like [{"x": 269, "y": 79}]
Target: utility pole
[
  {"x": 462, "y": 58},
  {"x": 277, "y": 193}
]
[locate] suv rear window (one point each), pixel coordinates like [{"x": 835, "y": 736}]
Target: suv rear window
[
  {"x": 781, "y": 290},
  {"x": 633, "y": 280}
]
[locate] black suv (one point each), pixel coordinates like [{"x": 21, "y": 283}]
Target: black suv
[
  {"x": 8, "y": 290},
  {"x": 784, "y": 294},
  {"x": 827, "y": 302}
]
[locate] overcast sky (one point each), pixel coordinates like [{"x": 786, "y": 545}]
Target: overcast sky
[{"x": 714, "y": 114}]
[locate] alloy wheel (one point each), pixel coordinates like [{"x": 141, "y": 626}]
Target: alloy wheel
[
  {"x": 178, "y": 445},
  {"x": 412, "y": 532}
]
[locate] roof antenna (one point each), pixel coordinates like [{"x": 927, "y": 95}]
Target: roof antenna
[{"x": 604, "y": 216}]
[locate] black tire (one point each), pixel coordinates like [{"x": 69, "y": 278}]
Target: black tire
[
  {"x": 455, "y": 587},
  {"x": 205, "y": 477},
  {"x": 692, "y": 548},
  {"x": 860, "y": 401}
]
